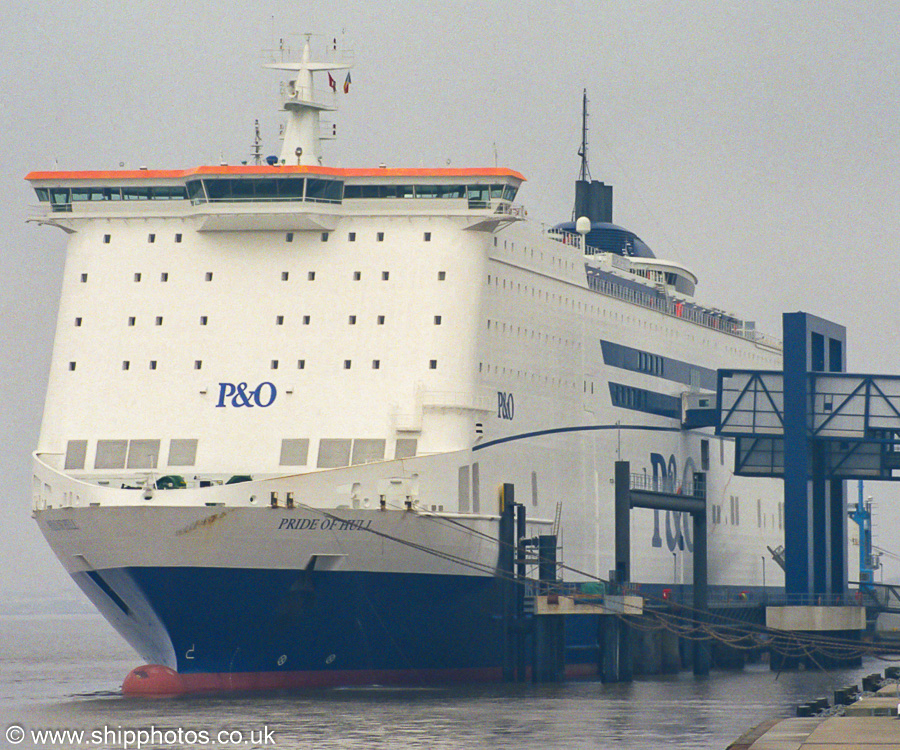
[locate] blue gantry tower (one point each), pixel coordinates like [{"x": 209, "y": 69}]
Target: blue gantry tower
[{"x": 816, "y": 426}]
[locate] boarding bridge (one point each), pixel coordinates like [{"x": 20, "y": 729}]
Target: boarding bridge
[{"x": 815, "y": 426}]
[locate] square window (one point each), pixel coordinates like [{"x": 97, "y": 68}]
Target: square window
[
  {"x": 289, "y": 237},
  {"x": 126, "y": 364},
  {"x": 159, "y": 320},
  {"x": 301, "y": 364},
  {"x": 324, "y": 236},
  {"x": 376, "y": 364},
  {"x": 381, "y": 320},
  {"x": 279, "y": 320},
  {"x": 306, "y": 320},
  {"x": 347, "y": 364},
  {"x": 357, "y": 275},
  {"x": 351, "y": 237},
  {"x": 198, "y": 363},
  {"x": 437, "y": 320},
  {"x": 352, "y": 320},
  {"x": 152, "y": 364},
  {"x": 385, "y": 275},
  {"x": 106, "y": 238},
  {"x": 442, "y": 275},
  {"x": 71, "y": 365},
  {"x": 84, "y": 278},
  {"x": 137, "y": 277},
  {"x": 311, "y": 276},
  {"x": 427, "y": 236},
  {"x": 131, "y": 320},
  {"x": 274, "y": 364},
  {"x": 178, "y": 238},
  {"x": 151, "y": 238},
  {"x": 204, "y": 320},
  {"x": 78, "y": 322},
  {"x": 209, "y": 275},
  {"x": 164, "y": 277},
  {"x": 432, "y": 364},
  {"x": 380, "y": 236},
  {"x": 284, "y": 275}
]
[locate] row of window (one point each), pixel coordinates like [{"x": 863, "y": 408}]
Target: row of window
[
  {"x": 501, "y": 327},
  {"x": 131, "y": 454},
  {"x": 279, "y": 320},
  {"x": 244, "y": 189},
  {"x": 285, "y": 276},
  {"x": 529, "y": 252},
  {"x": 334, "y": 453},
  {"x": 288, "y": 237},
  {"x": 146, "y": 454},
  {"x": 548, "y": 380},
  {"x": 274, "y": 364}
]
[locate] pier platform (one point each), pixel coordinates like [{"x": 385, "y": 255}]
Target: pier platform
[{"x": 871, "y": 723}]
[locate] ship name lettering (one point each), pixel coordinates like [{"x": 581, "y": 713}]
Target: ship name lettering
[
  {"x": 326, "y": 524},
  {"x": 263, "y": 395}
]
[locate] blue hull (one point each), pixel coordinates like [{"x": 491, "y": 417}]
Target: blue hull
[{"x": 219, "y": 620}]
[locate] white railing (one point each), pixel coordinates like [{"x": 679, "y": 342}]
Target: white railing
[{"x": 692, "y": 312}]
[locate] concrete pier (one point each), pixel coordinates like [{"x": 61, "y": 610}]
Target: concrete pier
[
  {"x": 837, "y": 732},
  {"x": 872, "y": 722}
]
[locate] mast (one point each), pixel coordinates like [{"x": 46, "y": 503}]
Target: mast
[
  {"x": 593, "y": 199},
  {"x": 585, "y": 173},
  {"x": 303, "y": 103}
]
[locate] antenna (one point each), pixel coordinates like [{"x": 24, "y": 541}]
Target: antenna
[
  {"x": 585, "y": 173},
  {"x": 256, "y": 151}
]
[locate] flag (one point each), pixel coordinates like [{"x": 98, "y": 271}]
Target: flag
[
  {"x": 347, "y": 83},
  {"x": 332, "y": 82}
]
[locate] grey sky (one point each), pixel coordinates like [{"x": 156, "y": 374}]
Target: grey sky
[{"x": 755, "y": 142}]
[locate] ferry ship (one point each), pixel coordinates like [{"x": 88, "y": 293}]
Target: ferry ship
[{"x": 283, "y": 396}]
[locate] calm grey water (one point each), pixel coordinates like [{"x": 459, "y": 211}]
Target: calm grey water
[{"x": 64, "y": 672}]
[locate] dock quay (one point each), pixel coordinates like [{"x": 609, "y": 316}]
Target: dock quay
[{"x": 869, "y": 720}]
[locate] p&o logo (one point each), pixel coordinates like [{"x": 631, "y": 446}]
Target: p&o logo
[{"x": 241, "y": 395}]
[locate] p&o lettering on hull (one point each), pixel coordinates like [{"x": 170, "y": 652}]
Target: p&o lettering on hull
[{"x": 241, "y": 395}]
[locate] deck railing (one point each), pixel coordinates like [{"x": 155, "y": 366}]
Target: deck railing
[{"x": 675, "y": 308}]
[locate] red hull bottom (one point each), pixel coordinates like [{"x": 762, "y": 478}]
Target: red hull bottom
[{"x": 158, "y": 680}]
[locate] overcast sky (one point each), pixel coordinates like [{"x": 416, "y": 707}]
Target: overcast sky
[{"x": 756, "y": 142}]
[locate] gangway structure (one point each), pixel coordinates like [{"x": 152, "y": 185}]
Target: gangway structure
[{"x": 815, "y": 426}]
